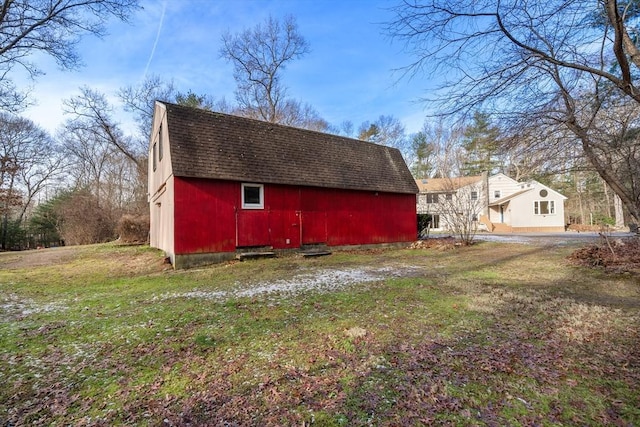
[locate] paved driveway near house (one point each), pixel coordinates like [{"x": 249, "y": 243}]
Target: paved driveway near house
[{"x": 551, "y": 238}]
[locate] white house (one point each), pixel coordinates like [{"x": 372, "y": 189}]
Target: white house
[{"x": 497, "y": 203}]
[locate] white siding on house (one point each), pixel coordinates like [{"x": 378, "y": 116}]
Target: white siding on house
[
  {"x": 461, "y": 201},
  {"x": 511, "y": 204},
  {"x": 504, "y": 184},
  {"x": 421, "y": 204},
  {"x": 523, "y": 205},
  {"x": 500, "y": 215}
]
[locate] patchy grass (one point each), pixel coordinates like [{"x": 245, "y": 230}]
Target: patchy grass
[{"x": 491, "y": 334}]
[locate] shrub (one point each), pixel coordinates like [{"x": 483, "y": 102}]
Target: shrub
[
  {"x": 83, "y": 219},
  {"x": 133, "y": 228}
]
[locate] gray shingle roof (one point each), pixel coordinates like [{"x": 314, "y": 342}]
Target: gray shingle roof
[{"x": 206, "y": 144}]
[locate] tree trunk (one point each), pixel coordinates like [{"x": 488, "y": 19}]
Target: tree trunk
[
  {"x": 5, "y": 224},
  {"x": 604, "y": 170},
  {"x": 613, "y": 182},
  {"x": 617, "y": 203},
  {"x": 607, "y": 198}
]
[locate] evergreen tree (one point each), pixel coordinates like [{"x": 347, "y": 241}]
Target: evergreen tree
[
  {"x": 44, "y": 225},
  {"x": 481, "y": 142},
  {"x": 424, "y": 151}
]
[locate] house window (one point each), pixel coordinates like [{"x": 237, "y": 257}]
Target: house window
[
  {"x": 544, "y": 207},
  {"x": 543, "y": 193},
  {"x": 155, "y": 155},
  {"x": 160, "y": 143},
  {"x": 448, "y": 196},
  {"x": 496, "y": 194},
  {"x": 474, "y": 195},
  {"x": 252, "y": 196},
  {"x": 432, "y": 198}
]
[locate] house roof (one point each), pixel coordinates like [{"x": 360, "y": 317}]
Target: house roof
[
  {"x": 205, "y": 144},
  {"x": 438, "y": 185},
  {"x": 509, "y": 197}
]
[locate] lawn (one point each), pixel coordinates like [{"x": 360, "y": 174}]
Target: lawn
[{"x": 491, "y": 334}]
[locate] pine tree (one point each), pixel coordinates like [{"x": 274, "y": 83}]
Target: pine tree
[{"x": 481, "y": 142}]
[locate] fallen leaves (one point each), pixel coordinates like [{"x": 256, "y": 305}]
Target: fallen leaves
[
  {"x": 439, "y": 243},
  {"x": 423, "y": 344},
  {"x": 612, "y": 254}
]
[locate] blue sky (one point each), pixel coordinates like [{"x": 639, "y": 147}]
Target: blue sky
[{"x": 348, "y": 75}]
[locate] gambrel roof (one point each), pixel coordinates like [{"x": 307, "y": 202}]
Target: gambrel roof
[{"x": 205, "y": 144}]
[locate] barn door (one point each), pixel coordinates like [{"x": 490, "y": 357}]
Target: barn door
[
  {"x": 313, "y": 227},
  {"x": 252, "y": 228},
  {"x": 274, "y": 223}
]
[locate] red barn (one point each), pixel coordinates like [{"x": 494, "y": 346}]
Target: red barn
[{"x": 220, "y": 183}]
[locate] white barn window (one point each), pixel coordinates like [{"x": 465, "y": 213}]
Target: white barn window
[{"x": 252, "y": 196}]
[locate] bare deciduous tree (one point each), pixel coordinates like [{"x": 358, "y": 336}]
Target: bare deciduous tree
[
  {"x": 92, "y": 115},
  {"x": 293, "y": 113},
  {"x": 555, "y": 64},
  {"x": 460, "y": 208},
  {"x": 386, "y": 130},
  {"x": 260, "y": 56},
  {"x": 29, "y": 160},
  {"x": 139, "y": 100},
  {"x": 84, "y": 220},
  {"x": 345, "y": 128},
  {"x": 105, "y": 161},
  {"x": 52, "y": 27}
]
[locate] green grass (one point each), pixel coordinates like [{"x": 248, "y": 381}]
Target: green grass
[{"x": 492, "y": 334}]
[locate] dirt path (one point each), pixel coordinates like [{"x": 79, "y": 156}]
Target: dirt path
[{"x": 36, "y": 257}]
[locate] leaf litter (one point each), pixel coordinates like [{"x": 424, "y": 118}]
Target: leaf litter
[{"x": 532, "y": 359}]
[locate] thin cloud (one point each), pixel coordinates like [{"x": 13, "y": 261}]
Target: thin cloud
[{"x": 155, "y": 42}]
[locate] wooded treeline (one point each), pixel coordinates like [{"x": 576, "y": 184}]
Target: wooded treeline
[{"x": 87, "y": 183}]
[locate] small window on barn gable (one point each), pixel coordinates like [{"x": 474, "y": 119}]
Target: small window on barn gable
[
  {"x": 474, "y": 195},
  {"x": 154, "y": 154},
  {"x": 160, "y": 143},
  {"x": 252, "y": 196}
]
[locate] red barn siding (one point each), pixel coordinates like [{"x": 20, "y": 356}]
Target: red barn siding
[
  {"x": 204, "y": 215},
  {"x": 209, "y": 217},
  {"x": 368, "y": 218},
  {"x": 253, "y": 228},
  {"x": 314, "y": 207},
  {"x": 283, "y": 205}
]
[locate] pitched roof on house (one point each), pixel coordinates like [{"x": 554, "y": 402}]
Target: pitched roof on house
[
  {"x": 530, "y": 186},
  {"x": 438, "y": 185},
  {"x": 509, "y": 197},
  {"x": 205, "y": 144}
]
